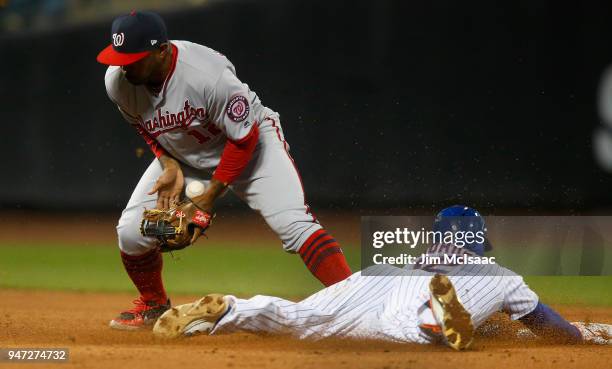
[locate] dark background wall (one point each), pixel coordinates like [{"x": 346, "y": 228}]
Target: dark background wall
[{"x": 384, "y": 103}]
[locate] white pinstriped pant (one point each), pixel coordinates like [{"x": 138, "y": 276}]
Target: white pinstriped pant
[
  {"x": 389, "y": 306},
  {"x": 381, "y": 307}
]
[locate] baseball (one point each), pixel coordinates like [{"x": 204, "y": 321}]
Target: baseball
[{"x": 195, "y": 188}]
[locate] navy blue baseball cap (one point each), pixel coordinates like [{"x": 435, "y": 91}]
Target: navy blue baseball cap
[{"x": 133, "y": 37}]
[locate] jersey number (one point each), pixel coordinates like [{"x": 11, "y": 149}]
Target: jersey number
[{"x": 214, "y": 131}]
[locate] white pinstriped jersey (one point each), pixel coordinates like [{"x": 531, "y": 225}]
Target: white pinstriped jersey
[
  {"x": 389, "y": 306},
  {"x": 201, "y": 105},
  {"x": 483, "y": 289}
]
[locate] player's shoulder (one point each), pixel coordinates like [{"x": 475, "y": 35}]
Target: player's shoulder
[
  {"x": 197, "y": 54},
  {"x": 115, "y": 82},
  {"x": 206, "y": 64},
  {"x": 112, "y": 76}
]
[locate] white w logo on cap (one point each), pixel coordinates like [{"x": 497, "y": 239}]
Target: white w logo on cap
[{"x": 118, "y": 39}]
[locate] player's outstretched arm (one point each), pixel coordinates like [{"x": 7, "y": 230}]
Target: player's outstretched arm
[
  {"x": 521, "y": 303},
  {"x": 548, "y": 324}
]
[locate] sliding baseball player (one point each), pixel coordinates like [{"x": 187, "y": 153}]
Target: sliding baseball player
[{"x": 389, "y": 303}]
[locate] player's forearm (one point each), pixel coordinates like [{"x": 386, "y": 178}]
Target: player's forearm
[
  {"x": 548, "y": 324},
  {"x": 213, "y": 191},
  {"x": 168, "y": 161}
]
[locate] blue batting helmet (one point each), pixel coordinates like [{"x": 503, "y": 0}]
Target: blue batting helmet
[{"x": 461, "y": 218}]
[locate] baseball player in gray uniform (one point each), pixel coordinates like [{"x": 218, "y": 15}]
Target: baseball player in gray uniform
[
  {"x": 389, "y": 303},
  {"x": 202, "y": 123}
]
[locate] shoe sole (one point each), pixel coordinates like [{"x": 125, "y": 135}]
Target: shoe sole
[
  {"x": 122, "y": 327},
  {"x": 176, "y": 321},
  {"x": 456, "y": 322}
]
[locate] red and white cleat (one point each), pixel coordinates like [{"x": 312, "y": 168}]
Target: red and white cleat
[{"x": 143, "y": 315}]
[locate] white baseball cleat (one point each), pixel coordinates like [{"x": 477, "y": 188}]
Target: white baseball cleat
[
  {"x": 198, "y": 317},
  {"x": 454, "y": 320}
]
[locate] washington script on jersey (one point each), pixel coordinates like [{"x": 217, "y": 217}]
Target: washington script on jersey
[{"x": 163, "y": 122}]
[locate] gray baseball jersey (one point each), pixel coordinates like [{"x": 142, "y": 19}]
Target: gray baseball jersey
[{"x": 201, "y": 105}]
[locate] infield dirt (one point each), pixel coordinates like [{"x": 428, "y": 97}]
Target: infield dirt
[{"x": 79, "y": 321}]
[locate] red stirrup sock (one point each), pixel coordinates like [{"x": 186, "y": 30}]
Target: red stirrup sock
[
  {"x": 323, "y": 256},
  {"x": 145, "y": 271}
]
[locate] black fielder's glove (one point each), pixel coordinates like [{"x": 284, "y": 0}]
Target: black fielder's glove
[{"x": 177, "y": 227}]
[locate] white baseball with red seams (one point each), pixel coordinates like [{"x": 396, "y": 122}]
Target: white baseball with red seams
[
  {"x": 202, "y": 104},
  {"x": 194, "y": 189}
]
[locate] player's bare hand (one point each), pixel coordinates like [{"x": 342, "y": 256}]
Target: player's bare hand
[{"x": 168, "y": 187}]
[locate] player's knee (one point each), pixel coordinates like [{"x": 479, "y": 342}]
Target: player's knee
[
  {"x": 130, "y": 239},
  {"x": 294, "y": 235}
]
